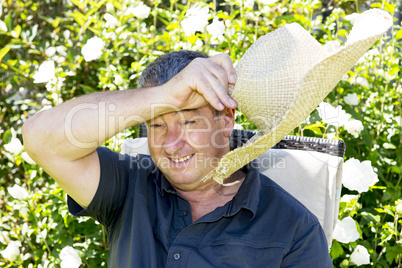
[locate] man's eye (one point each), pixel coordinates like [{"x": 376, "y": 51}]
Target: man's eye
[
  {"x": 189, "y": 122},
  {"x": 155, "y": 125}
]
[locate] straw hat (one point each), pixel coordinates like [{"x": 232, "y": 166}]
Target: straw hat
[{"x": 285, "y": 75}]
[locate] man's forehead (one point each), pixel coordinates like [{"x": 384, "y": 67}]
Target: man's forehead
[{"x": 187, "y": 112}]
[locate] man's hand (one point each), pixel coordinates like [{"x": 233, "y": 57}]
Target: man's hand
[{"x": 203, "y": 81}]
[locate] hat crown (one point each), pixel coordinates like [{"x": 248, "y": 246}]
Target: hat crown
[{"x": 270, "y": 73}]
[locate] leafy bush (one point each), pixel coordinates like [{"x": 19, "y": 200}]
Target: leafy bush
[{"x": 52, "y": 51}]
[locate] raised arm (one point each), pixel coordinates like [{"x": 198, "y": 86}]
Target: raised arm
[{"x": 63, "y": 140}]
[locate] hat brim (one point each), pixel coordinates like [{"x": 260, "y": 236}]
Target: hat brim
[{"x": 277, "y": 98}]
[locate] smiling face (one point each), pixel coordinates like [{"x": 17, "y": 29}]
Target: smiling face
[{"x": 187, "y": 145}]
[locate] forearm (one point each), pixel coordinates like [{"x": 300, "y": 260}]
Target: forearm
[{"x": 77, "y": 127}]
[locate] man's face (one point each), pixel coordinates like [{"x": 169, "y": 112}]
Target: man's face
[{"x": 187, "y": 145}]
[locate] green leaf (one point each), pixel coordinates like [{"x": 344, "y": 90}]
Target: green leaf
[
  {"x": 87, "y": 89},
  {"x": 370, "y": 217},
  {"x": 17, "y": 31},
  {"x": 398, "y": 34},
  {"x": 78, "y": 3},
  {"x": 336, "y": 250},
  {"x": 387, "y": 145},
  {"x": 7, "y": 136},
  {"x": 4, "y": 51}
]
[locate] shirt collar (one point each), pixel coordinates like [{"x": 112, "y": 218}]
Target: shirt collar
[{"x": 247, "y": 197}]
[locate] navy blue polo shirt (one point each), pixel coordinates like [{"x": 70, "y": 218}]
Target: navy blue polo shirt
[{"x": 150, "y": 225}]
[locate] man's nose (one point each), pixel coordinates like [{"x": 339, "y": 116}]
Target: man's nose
[{"x": 174, "y": 141}]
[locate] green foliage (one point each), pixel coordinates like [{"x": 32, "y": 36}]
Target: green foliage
[{"x": 32, "y": 32}]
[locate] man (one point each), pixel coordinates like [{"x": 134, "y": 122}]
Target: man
[{"x": 159, "y": 212}]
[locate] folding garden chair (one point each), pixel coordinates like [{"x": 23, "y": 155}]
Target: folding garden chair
[{"x": 308, "y": 168}]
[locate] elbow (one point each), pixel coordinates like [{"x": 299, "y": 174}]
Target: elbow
[
  {"x": 32, "y": 137},
  {"x": 27, "y": 129}
]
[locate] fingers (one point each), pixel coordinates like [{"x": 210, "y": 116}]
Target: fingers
[
  {"x": 218, "y": 71},
  {"x": 225, "y": 62},
  {"x": 215, "y": 87}
]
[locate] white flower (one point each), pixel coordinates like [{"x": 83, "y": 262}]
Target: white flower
[
  {"x": 27, "y": 158},
  {"x": 354, "y": 127},
  {"x": 249, "y": 3},
  {"x": 345, "y": 230},
  {"x": 50, "y": 51},
  {"x": 398, "y": 120},
  {"x": 398, "y": 208},
  {"x": 55, "y": 84},
  {"x": 3, "y": 26},
  {"x": 197, "y": 19},
  {"x": 332, "y": 46},
  {"x": 118, "y": 80},
  {"x": 360, "y": 256},
  {"x": 92, "y": 50},
  {"x": 109, "y": 7},
  {"x": 362, "y": 81},
  {"x": 349, "y": 197},
  {"x": 12, "y": 250},
  {"x": 216, "y": 28},
  {"x": 111, "y": 22},
  {"x": 70, "y": 258},
  {"x": 14, "y": 146},
  {"x": 268, "y": 2},
  {"x": 358, "y": 176},
  {"x": 18, "y": 192},
  {"x": 45, "y": 72},
  {"x": 238, "y": 126},
  {"x": 352, "y": 17},
  {"x": 351, "y": 99},
  {"x": 141, "y": 11},
  {"x": 332, "y": 116}
]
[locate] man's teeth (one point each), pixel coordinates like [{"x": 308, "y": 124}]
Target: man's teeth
[{"x": 181, "y": 159}]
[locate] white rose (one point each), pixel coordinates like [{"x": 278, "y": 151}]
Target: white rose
[
  {"x": 332, "y": 46},
  {"x": 70, "y": 258},
  {"x": 12, "y": 250},
  {"x": 45, "y": 72},
  {"x": 249, "y": 3},
  {"x": 216, "y": 28},
  {"x": 358, "y": 176},
  {"x": 18, "y": 192},
  {"x": 27, "y": 158},
  {"x": 3, "y": 26},
  {"x": 398, "y": 208},
  {"x": 118, "y": 80},
  {"x": 50, "y": 51},
  {"x": 398, "y": 120},
  {"x": 354, "y": 127},
  {"x": 141, "y": 11},
  {"x": 360, "y": 256},
  {"x": 349, "y": 197},
  {"x": 362, "y": 81},
  {"x": 109, "y": 7},
  {"x": 92, "y": 50},
  {"x": 351, "y": 99},
  {"x": 111, "y": 22},
  {"x": 268, "y": 2},
  {"x": 332, "y": 116},
  {"x": 14, "y": 146},
  {"x": 345, "y": 230},
  {"x": 352, "y": 17},
  {"x": 196, "y": 19}
]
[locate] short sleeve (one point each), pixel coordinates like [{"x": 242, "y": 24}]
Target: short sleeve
[
  {"x": 310, "y": 250},
  {"x": 116, "y": 171}
]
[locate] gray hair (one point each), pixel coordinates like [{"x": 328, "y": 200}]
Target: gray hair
[{"x": 165, "y": 67}]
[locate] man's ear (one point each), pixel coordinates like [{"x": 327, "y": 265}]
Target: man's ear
[{"x": 229, "y": 121}]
